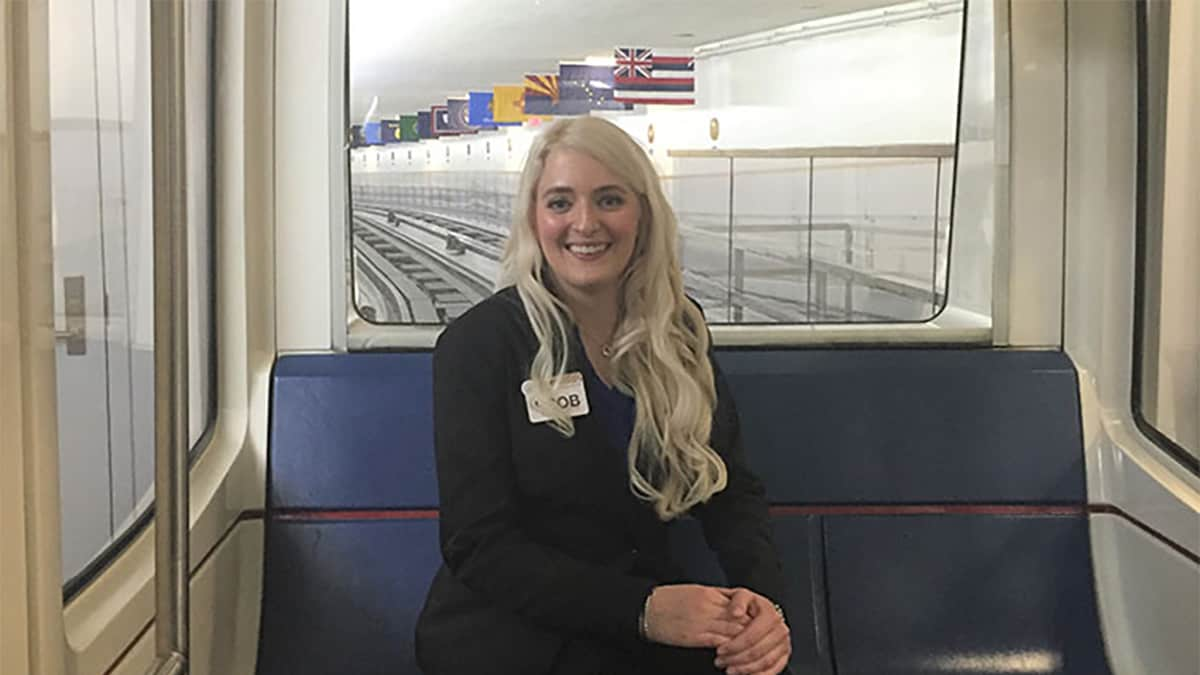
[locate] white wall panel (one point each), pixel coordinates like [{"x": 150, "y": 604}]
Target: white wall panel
[{"x": 302, "y": 174}]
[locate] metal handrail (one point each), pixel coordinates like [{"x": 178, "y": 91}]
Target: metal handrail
[
  {"x": 169, "y": 156},
  {"x": 892, "y": 151}
]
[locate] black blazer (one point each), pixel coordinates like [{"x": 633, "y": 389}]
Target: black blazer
[{"x": 542, "y": 539}]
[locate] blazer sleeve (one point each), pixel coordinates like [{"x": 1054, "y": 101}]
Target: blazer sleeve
[
  {"x": 482, "y": 541},
  {"x": 735, "y": 520}
]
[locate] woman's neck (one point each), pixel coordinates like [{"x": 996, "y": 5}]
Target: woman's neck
[{"x": 596, "y": 315}]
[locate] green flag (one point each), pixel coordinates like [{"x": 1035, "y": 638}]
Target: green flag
[{"x": 408, "y": 129}]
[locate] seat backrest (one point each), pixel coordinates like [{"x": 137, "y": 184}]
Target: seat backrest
[{"x": 929, "y": 507}]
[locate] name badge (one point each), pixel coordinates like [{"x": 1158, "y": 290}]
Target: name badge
[{"x": 569, "y": 397}]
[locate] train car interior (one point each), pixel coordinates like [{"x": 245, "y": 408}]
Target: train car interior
[{"x": 946, "y": 250}]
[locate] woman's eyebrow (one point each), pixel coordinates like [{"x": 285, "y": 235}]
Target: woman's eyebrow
[
  {"x": 614, "y": 186},
  {"x": 557, "y": 189}
]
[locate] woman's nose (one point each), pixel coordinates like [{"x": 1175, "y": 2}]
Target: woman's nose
[{"x": 585, "y": 219}]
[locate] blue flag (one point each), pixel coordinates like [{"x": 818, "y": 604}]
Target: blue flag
[
  {"x": 479, "y": 110},
  {"x": 389, "y": 131},
  {"x": 371, "y": 133},
  {"x": 583, "y": 88},
  {"x": 424, "y": 124}
]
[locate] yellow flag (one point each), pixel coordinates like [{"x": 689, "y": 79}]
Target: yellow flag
[{"x": 508, "y": 102}]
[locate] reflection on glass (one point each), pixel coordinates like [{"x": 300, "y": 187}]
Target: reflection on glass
[
  {"x": 100, "y": 138},
  {"x": 785, "y": 148}
]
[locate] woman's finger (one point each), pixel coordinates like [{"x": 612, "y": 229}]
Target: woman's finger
[
  {"x": 717, "y": 597},
  {"x": 779, "y": 664},
  {"x": 751, "y": 635},
  {"x": 710, "y": 640},
  {"x": 739, "y": 603},
  {"x": 723, "y": 627},
  {"x": 763, "y": 655},
  {"x": 758, "y": 651}
]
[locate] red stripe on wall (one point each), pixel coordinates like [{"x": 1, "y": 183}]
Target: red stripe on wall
[
  {"x": 930, "y": 509},
  {"x": 355, "y": 514},
  {"x": 324, "y": 515}
]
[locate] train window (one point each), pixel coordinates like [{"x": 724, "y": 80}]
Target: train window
[
  {"x": 100, "y": 137},
  {"x": 809, "y": 149},
  {"x": 1167, "y": 337}
]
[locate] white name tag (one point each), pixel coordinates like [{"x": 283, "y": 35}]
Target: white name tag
[{"x": 569, "y": 397}]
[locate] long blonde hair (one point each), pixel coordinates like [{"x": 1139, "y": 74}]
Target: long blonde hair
[{"x": 660, "y": 349}]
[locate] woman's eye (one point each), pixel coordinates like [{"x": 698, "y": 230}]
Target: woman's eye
[
  {"x": 612, "y": 201},
  {"x": 558, "y": 205}
]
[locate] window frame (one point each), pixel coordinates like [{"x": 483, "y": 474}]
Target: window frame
[
  {"x": 1151, "y": 142},
  {"x": 101, "y": 560},
  {"x": 949, "y": 326}
]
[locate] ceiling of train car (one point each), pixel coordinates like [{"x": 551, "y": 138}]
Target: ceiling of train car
[{"x": 412, "y": 53}]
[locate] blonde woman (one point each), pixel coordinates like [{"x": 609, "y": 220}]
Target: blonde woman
[{"x": 577, "y": 413}]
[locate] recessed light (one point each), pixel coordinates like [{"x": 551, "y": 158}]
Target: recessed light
[{"x": 685, "y": 35}]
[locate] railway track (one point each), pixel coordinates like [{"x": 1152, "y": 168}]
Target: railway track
[{"x": 433, "y": 286}]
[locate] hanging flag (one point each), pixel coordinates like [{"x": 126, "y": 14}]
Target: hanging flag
[
  {"x": 458, "y": 110},
  {"x": 583, "y": 88},
  {"x": 424, "y": 124},
  {"x": 642, "y": 77},
  {"x": 508, "y": 104},
  {"x": 408, "y": 129},
  {"x": 389, "y": 131},
  {"x": 441, "y": 121},
  {"x": 479, "y": 113},
  {"x": 541, "y": 94},
  {"x": 371, "y": 133},
  {"x": 357, "y": 140}
]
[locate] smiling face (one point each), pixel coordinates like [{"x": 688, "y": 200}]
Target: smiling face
[{"x": 586, "y": 222}]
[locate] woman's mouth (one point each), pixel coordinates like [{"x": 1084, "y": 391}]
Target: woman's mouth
[{"x": 588, "y": 251}]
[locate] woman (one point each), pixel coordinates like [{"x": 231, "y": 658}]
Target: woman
[{"x": 577, "y": 412}]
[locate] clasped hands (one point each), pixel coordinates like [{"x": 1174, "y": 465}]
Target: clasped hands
[{"x": 750, "y": 636}]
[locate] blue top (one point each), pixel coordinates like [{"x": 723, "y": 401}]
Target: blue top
[{"x": 615, "y": 410}]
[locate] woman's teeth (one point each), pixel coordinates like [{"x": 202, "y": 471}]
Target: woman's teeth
[{"x": 586, "y": 249}]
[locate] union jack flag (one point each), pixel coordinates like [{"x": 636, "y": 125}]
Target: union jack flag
[{"x": 633, "y": 62}]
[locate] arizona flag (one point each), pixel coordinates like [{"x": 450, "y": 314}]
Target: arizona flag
[
  {"x": 642, "y": 77},
  {"x": 541, "y": 94}
]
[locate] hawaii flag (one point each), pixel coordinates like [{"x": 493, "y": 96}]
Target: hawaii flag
[{"x": 641, "y": 77}]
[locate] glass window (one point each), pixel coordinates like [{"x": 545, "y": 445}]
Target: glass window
[
  {"x": 1167, "y": 361},
  {"x": 103, "y": 255},
  {"x": 808, "y": 148}
]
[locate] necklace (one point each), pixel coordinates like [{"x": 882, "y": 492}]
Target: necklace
[{"x": 606, "y": 347}]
